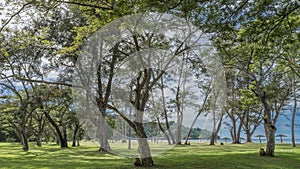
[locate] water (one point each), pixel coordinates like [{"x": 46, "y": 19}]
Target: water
[{"x": 278, "y": 141}]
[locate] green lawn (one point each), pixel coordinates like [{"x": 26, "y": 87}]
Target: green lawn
[{"x": 197, "y": 155}]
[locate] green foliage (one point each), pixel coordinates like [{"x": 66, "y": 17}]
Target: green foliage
[{"x": 259, "y": 39}]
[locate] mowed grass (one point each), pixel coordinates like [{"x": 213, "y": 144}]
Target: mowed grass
[{"x": 195, "y": 156}]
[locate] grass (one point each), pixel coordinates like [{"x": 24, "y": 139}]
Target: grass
[{"x": 195, "y": 156}]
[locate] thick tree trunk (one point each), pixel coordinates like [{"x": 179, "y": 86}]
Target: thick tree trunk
[
  {"x": 144, "y": 148},
  {"x": 171, "y": 135},
  {"x": 238, "y": 141},
  {"x": 179, "y": 117},
  {"x": 213, "y": 137},
  {"x": 270, "y": 133},
  {"x": 248, "y": 139},
  {"x": 64, "y": 143},
  {"x": 179, "y": 126},
  {"x": 247, "y": 128},
  {"x": 270, "y": 150},
  {"x": 24, "y": 140},
  {"x": 104, "y": 145},
  {"x": 74, "y": 141},
  {"x": 62, "y": 140},
  {"x": 75, "y": 135},
  {"x": 38, "y": 138},
  {"x": 234, "y": 139},
  {"x": 270, "y": 130},
  {"x": 268, "y": 123},
  {"x": 78, "y": 142}
]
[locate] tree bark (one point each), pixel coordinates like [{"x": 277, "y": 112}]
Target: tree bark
[
  {"x": 104, "y": 145},
  {"x": 24, "y": 140},
  {"x": 160, "y": 127},
  {"x": 163, "y": 130},
  {"x": 270, "y": 150},
  {"x": 191, "y": 128},
  {"x": 38, "y": 138},
  {"x": 198, "y": 114},
  {"x": 179, "y": 126},
  {"x": 75, "y": 135},
  {"x": 294, "y": 113},
  {"x": 103, "y": 99},
  {"x": 144, "y": 148},
  {"x": 169, "y": 132},
  {"x": 238, "y": 141},
  {"x": 62, "y": 140},
  {"x": 215, "y": 131},
  {"x": 269, "y": 127}
]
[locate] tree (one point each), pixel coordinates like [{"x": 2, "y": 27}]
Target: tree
[
  {"x": 205, "y": 86},
  {"x": 295, "y": 88},
  {"x": 263, "y": 36},
  {"x": 145, "y": 55},
  {"x": 16, "y": 62}
]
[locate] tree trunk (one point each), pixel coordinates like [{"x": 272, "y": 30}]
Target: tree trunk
[
  {"x": 75, "y": 136},
  {"x": 168, "y": 132},
  {"x": 247, "y": 127},
  {"x": 219, "y": 126},
  {"x": 213, "y": 135},
  {"x": 179, "y": 127},
  {"x": 129, "y": 131},
  {"x": 144, "y": 148},
  {"x": 63, "y": 142},
  {"x": 38, "y": 140},
  {"x": 294, "y": 113},
  {"x": 213, "y": 138},
  {"x": 195, "y": 119},
  {"x": 24, "y": 140},
  {"x": 270, "y": 150},
  {"x": 234, "y": 139},
  {"x": 215, "y": 131},
  {"x": 268, "y": 123},
  {"x": 78, "y": 142},
  {"x": 104, "y": 145},
  {"x": 240, "y": 129},
  {"x": 164, "y": 131},
  {"x": 191, "y": 128},
  {"x": 248, "y": 139},
  {"x": 46, "y": 139},
  {"x": 129, "y": 139},
  {"x": 269, "y": 130},
  {"x": 159, "y": 126}
]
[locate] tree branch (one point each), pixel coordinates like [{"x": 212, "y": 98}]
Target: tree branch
[
  {"x": 88, "y": 5},
  {"x": 47, "y": 82},
  {"x": 106, "y": 7},
  {"x": 15, "y": 14}
]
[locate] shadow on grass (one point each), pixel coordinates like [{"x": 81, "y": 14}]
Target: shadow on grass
[{"x": 181, "y": 157}]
